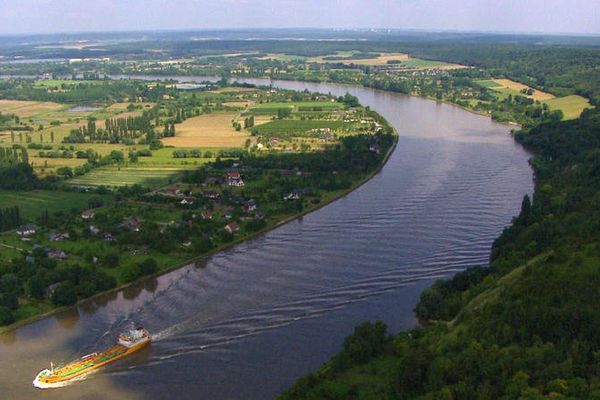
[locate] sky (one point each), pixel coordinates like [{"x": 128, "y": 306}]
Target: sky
[{"x": 546, "y": 16}]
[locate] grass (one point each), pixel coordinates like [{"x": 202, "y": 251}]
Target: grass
[
  {"x": 32, "y": 203},
  {"x": 571, "y": 106},
  {"x": 122, "y": 176},
  {"x": 299, "y": 106},
  {"x": 296, "y": 127},
  {"x": 488, "y": 83},
  {"x": 207, "y": 130}
]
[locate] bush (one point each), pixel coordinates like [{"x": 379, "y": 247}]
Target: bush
[{"x": 148, "y": 266}]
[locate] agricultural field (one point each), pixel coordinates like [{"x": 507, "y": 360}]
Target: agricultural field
[
  {"x": 287, "y": 128},
  {"x": 126, "y": 176},
  {"x": 304, "y": 106},
  {"x": 571, "y": 106},
  {"x": 345, "y": 57},
  {"x": 33, "y": 203},
  {"x": 208, "y": 130},
  {"x": 26, "y": 109},
  {"x": 516, "y": 87}
]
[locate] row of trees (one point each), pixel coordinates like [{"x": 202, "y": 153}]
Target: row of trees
[{"x": 10, "y": 218}]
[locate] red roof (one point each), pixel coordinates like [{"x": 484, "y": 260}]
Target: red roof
[{"x": 233, "y": 175}]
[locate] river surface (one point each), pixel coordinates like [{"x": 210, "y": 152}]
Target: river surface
[{"x": 246, "y": 323}]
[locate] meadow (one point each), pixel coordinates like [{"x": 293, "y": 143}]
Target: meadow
[
  {"x": 33, "y": 203},
  {"x": 571, "y": 106}
]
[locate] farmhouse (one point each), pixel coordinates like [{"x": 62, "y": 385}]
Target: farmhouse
[
  {"x": 211, "y": 195},
  {"x": 88, "y": 214},
  {"x": 131, "y": 223},
  {"x": 57, "y": 255},
  {"x": 172, "y": 191},
  {"x": 187, "y": 201},
  {"x": 58, "y": 236},
  {"x": 232, "y": 227},
  {"x": 249, "y": 206},
  {"x": 26, "y": 230}
]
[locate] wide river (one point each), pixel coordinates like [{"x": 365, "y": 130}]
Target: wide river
[{"x": 249, "y": 321}]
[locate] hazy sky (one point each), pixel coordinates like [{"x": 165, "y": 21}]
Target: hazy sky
[{"x": 36, "y": 16}]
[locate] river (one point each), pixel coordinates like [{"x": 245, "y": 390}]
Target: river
[{"x": 249, "y": 321}]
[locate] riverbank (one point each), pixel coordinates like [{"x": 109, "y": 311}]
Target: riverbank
[{"x": 332, "y": 197}]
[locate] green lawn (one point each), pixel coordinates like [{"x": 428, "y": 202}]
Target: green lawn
[
  {"x": 286, "y": 127},
  {"x": 419, "y": 63},
  {"x": 571, "y": 106},
  {"x": 32, "y": 203}
]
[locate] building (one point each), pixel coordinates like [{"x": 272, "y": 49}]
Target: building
[
  {"x": 58, "y": 236},
  {"x": 232, "y": 227},
  {"x": 26, "y": 230},
  {"x": 187, "y": 201},
  {"x": 131, "y": 223},
  {"x": 206, "y": 214},
  {"x": 57, "y": 255},
  {"x": 88, "y": 214}
]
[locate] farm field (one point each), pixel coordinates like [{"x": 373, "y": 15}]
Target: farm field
[
  {"x": 122, "y": 176},
  {"x": 295, "y": 127},
  {"x": 571, "y": 106},
  {"x": 208, "y": 130},
  {"x": 272, "y": 108},
  {"x": 33, "y": 203},
  {"x": 516, "y": 88},
  {"x": 381, "y": 59},
  {"x": 418, "y": 63},
  {"x": 24, "y": 109}
]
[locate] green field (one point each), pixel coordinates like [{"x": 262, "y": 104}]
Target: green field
[
  {"x": 115, "y": 176},
  {"x": 419, "y": 63},
  {"x": 272, "y": 108},
  {"x": 285, "y": 127},
  {"x": 33, "y": 203},
  {"x": 571, "y": 106},
  {"x": 488, "y": 83}
]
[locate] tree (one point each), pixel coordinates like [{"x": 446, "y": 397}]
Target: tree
[
  {"x": 6, "y": 316},
  {"x": 65, "y": 294}
]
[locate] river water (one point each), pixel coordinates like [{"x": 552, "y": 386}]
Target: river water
[{"x": 249, "y": 321}]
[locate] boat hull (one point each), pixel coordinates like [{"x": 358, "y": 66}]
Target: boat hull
[{"x": 79, "y": 369}]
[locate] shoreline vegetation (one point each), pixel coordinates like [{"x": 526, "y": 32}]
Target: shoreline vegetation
[{"x": 354, "y": 140}]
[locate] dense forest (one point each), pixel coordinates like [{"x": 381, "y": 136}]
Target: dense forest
[{"x": 524, "y": 328}]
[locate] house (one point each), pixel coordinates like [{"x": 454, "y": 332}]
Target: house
[
  {"x": 131, "y": 223},
  {"x": 232, "y": 227},
  {"x": 58, "y": 236},
  {"x": 274, "y": 140},
  {"x": 233, "y": 175},
  {"x": 235, "y": 182},
  {"x": 172, "y": 191},
  {"x": 295, "y": 194},
  {"x": 249, "y": 206},
  {"x": 26, "y": 230},
  {"x": 49, "y": 291},
  {"x": 375, "y": 148},
  {"x": 187, "y": 201},
  {"x": 88, "y": 214},
  {"x": 207, "y": 214},
  {"x": 94, "y": 230},
  {"x": 57, "y": 255},
  {"x": 211, "y": 195},
  {"x": 108, "y": 237},
  {"x": 187, "y": 243}
]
